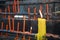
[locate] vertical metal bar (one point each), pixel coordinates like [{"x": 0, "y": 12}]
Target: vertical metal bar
[
  {"x": 2, "y": 27},
  {"x": 7, "y": 27},
  {"x": 35, "y": 13},
  {"x": 5, "y": 12},
  {"x": 14, "y": 6},
  {"x": 0, "y": 10},
  {"x": 29, "y": 18},
  {"x": 12, "y": 24},
  {"x": 18, "y": 6},
  {"x": 8, "y": 9},
  {"x": 41, "y": 7},
  {"x": 7, "y": 30},
  {"x": 47, "y": 11},
  {"x": 17, "y": 31},
  {"x": 9, "y": 22},
  {"x": 23, "y": 23},
  {"x": 29, "y": 12},
  {"x": 17, "y": 35},
  {"x": 18, "y": 27},
  {"x": 23, "y": 27},
  {"x": 9, "y": 18},
  {"x": 15, "y": 10}
]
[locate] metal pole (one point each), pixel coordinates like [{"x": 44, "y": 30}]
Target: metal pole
[
  {"x": 29, "y": 13},
  {"x": 29, "y": 18},
  {"x": 9, "y": 18},
  {"x": 5, "y": 12},
  {"x": 47, "y": 11},
  {"x": 0, "y": 11},
  {"x": 2, "y": 27},
  {"x": 12, "y": 24},
  {"x": 41, "y": 7},
  {"x": 18, "y": 27},
  {"x": 18, "y": 6},
  {"x": 23, "y": 27},
  {"x": 35, "y": 13},
  {"x": 17, "y": 35},
  {"x": 14, "y": 6},
  {"x": 7, "y": 30},
  {"x": 17, "y": 30}
]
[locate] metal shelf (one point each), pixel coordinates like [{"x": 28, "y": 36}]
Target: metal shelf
[
  {"x": 30, "y": 3},
  {"x": 24, "y": 33}
]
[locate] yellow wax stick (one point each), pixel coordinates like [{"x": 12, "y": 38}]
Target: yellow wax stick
[{"x": 41, "y": 29}]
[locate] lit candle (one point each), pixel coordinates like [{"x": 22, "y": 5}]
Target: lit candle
[{"x": 41, "y": 27}]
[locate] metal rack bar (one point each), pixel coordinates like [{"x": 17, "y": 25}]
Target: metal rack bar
[
  {"x": 47, "y": 11},
  {"x": 6, "y": 30},
  {"x": 2, "y": 13},
  {"x": 24, "y": 33},
  {"x": 5, "y": 12},
  {"x": 2, "y": 25},
  {"x": 29, "y": 12},
  {"x": 12, "y": 24},
  {"x": 30, "y": 3},
  {"x": 15, "y": 3},
  {"x": 23, "y": 27},
  {"x": 18, "y": 6},
  {"x": 35, "y": 13},
  {"x": 9, "y": 18},
  {"x": 17, "y": 35},
  {"x": 52, "y": 35}
]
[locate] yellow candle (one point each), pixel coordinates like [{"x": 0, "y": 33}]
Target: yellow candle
[{"x": 41, "y": 28}]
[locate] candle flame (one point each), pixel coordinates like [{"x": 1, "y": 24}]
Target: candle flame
[
  {"x": 40, "y": 13},
  {"x": 31, "y": 28}
]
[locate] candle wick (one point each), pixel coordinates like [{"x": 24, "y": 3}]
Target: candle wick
[
  {"x": 31, "y": 28},
  {"x": 40, "y": 13}
]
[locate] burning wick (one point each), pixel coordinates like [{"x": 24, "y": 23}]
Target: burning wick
[
  {"x": 40, "y": 13},
  {"x": 31, "y": 28}
]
